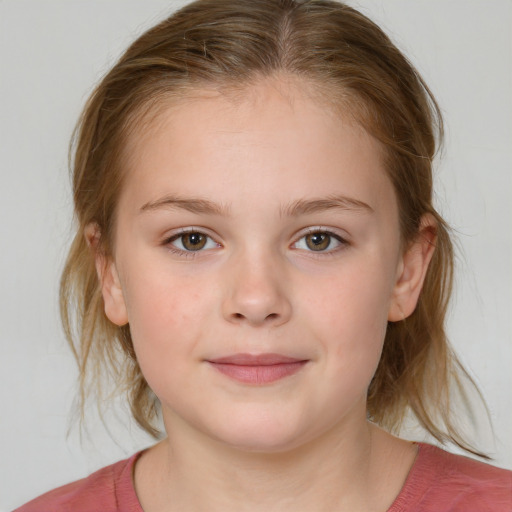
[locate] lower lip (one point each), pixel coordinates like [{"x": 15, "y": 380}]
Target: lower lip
[{"x": 258, "y": 374}]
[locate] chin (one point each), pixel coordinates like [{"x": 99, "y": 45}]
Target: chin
[{"x": 265, "y": 437}]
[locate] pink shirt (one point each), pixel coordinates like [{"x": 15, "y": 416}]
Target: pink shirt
[{"x": 438, "y": 482}]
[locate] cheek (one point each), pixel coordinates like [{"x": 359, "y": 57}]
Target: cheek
[
  {"x": 353, "y": 309},
  {"x": 166, "y": 317},
  {"x": 156, "y": 298}
]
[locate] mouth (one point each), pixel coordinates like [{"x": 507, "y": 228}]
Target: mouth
[{"x": 257, "y": 369}]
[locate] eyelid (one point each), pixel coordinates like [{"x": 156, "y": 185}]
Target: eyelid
[
  {"x": 169, "y": 238},
  {"x": 332, "y": 232},
  {"x": 175, "y": 233}
]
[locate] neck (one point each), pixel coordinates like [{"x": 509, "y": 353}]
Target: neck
[{"x": 339, "y": 470}]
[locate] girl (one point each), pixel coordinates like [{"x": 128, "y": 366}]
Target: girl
[{"x": 258, "y": 261}]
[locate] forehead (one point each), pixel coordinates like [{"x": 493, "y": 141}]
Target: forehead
[{"x": 263, "y": 135}]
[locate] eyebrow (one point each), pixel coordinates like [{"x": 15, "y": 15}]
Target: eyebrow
[
  {"x": 294, "y": 209},
  {"x": 334, "y": 202},
  {"x": 194, "y": 205}
]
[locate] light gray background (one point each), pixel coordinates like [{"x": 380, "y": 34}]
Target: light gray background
[{"x": 52, "y": 52}]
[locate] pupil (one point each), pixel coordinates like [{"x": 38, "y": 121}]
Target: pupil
[
  {"x": 195, "y": 238},
  {"x": 318, "y": 241},
  {"x": 194, "y": 241}
]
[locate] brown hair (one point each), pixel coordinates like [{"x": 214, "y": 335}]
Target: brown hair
[{"x": 232, "y": 43}]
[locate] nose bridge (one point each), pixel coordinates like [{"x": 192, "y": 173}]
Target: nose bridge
[{"x": 256, "y": 293}]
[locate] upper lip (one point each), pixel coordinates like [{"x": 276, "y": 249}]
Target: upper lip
[{"x": 255, "y": 360}]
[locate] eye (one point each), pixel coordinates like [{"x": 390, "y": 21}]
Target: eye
[
  {"x": 319, "y": 241},
  {"x": 192, "y": 241}
]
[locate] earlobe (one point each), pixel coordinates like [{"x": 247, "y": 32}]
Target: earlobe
[
  {"x": 113, "y": 298},
  {"x": 412, "y": 271}
]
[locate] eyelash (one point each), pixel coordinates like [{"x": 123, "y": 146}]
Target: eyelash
[
  {"x": 342, "y": 242},
  {"x": 168, "y": 242}
]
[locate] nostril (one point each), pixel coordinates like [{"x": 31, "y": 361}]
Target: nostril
[{"x": 271, "y": 316}]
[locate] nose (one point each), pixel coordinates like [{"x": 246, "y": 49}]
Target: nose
[{"x": 256, "y": 293}]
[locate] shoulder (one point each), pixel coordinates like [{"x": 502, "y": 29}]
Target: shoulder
[
  {"x": 441, "y": 481},
  {"x": 108, "y": 489}
]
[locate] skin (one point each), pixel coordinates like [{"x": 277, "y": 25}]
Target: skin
[{"x": 256, "y": 176}]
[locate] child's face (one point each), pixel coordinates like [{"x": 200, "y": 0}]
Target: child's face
[{"x": 260, "y": 226}]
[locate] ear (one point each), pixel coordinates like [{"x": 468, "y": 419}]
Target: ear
[
  {"x": 412, "y": 271},
  {"x": 113, "y": 298}
]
